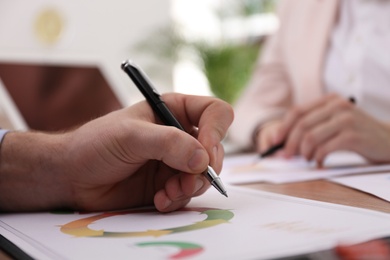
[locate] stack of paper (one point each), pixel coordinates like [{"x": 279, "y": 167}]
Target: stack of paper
[{"x": 251, "y": 168}]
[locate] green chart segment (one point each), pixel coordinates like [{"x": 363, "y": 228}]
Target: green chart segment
[
  {"x": 185, "y": 249},
  {"x": 80, "y": 227}
]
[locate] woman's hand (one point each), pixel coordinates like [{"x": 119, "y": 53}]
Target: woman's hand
[{"x": 331, "y": 124}]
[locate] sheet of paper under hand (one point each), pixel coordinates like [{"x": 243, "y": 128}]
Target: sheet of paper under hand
[{"x": 248, "y": 225}]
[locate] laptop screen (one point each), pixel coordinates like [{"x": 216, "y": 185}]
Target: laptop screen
[{"x": 57, "y": 97}]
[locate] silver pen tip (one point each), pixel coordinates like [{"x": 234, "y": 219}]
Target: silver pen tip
[{"x": 214, "y": 179}]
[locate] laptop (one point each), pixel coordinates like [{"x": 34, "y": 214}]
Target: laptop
[{"x": 54, "y": 96}]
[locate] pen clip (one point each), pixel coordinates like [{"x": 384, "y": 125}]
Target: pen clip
[
  {"x": 145, "y": 78},
  {"x": 142, "y": 82}
]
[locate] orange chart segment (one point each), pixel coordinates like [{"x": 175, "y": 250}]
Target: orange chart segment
[{"x": 80, "y": 227}]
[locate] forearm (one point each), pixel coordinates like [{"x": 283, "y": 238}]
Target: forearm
[
  {"x": 32, "y": 176},
  {"x": 267, "y": 97}
]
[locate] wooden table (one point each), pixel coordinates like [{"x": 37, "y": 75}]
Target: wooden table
[{"x": 326, "y": 191}]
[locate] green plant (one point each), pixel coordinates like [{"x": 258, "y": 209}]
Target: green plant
[
  {"x": 246, "y": 7},
  {"x": 228, "y": 68}
]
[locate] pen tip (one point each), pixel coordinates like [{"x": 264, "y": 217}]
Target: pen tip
[{"x": 225, "y": 194}]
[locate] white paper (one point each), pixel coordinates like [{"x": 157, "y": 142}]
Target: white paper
[
  {"x": 251, "y": 168},
  {"x": 248, "y": 225},
  {"x": 375, "y": 184}
]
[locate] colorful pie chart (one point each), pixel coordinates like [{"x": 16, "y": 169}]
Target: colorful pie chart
[{"x": 80, "y": 227}]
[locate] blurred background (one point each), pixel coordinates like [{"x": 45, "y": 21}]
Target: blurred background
[{"x": 60, "y": 60}]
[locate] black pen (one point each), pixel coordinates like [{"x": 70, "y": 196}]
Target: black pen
[
  {"x": 272, "y": 150},
  {"x": 159, "y": 107},
  {"x": 275, "y": 148}
]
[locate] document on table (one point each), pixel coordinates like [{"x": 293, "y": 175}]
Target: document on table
[
  {"x": 248, "y": 225},
  {"x": 376, "y": 184},
  {"x": 249, "y": 168}
]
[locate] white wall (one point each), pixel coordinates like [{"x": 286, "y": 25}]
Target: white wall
[{"x": 91, "y": 31}]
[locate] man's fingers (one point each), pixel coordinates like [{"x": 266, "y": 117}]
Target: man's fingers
[
  {"x": 170, "y": 145},
  {"x": 178, "y": 191},
  {"x": 211, "y": 116}
]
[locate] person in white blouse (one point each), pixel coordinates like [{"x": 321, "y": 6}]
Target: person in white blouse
[{"x": 324, "y": 54}]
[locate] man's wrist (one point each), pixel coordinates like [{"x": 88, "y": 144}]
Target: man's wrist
[{"x": 32, "y": 175}]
